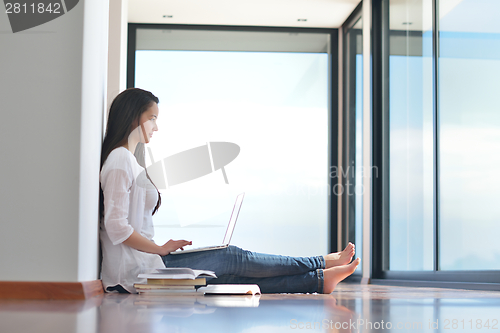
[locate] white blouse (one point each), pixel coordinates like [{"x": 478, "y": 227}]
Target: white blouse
[{"x": 129, "y": 200}]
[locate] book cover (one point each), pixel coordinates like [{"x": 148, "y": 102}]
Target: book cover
[
  {"x": 178, "y": 282},
  {"x": 164, "y": 287}
]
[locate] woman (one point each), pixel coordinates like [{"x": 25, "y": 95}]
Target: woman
[{"x": 129, "y": 199}]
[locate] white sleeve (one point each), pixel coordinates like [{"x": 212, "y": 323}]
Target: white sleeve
[{"x": 116, "y": 183}]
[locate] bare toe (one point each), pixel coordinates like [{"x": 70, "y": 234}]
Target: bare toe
[{"x": 340, "y": 258}]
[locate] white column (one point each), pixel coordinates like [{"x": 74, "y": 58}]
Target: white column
[
  {"x": 367, "y": 142},
  {"x": 93, "y": 105}
]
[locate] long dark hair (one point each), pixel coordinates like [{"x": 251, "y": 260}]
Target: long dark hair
[{"x": 124, "y": 115}]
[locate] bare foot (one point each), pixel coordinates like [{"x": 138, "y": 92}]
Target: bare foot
[
  {"x": 332, "y": 276},
  {"x": 340, "y": 258}
]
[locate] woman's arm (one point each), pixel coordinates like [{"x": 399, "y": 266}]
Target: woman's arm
[
  {"x": 141, "y": 243},
  {"x": 116, "y": 182}
]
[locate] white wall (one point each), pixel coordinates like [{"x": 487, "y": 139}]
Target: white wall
[{"x": 52, "y": 97}]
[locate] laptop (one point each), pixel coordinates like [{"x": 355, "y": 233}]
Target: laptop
[{"x": 229, "y": 230}]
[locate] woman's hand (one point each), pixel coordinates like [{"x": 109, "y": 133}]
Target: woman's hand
[
  {"x": 141, "y": 243},
  {"x": 173, "y": 245}
]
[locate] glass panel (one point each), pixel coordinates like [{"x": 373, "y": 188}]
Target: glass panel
[
  {"x": 353, "y": 143},
  {"x": 411, "y": 135},
  {"x": 469, "y": 81},
  {"x": 274, "y": 106},
  {"x": 358, "y": 162}
]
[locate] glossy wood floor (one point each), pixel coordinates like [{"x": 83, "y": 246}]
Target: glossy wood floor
[{"x": 350, "y": 308}]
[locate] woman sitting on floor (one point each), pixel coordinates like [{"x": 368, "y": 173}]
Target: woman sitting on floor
[{"x": 128, "y": 201}]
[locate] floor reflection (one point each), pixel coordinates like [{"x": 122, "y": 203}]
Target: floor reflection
[
  {"x": 218, "y": 313},
  {"x": 352, "y": 308}
]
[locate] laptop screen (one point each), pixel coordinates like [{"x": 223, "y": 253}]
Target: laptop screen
[{"x": 234, "y": 217}]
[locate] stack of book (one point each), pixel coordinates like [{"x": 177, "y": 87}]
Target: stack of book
[{"x": 173, "y": 282}]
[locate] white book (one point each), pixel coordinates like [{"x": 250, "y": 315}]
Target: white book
[{"x": 177, "y": 273}]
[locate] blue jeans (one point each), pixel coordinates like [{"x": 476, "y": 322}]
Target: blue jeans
[{"x": 273, "y": 273}]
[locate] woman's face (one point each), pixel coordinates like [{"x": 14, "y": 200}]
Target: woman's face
[{"x": 147, "y": 125}]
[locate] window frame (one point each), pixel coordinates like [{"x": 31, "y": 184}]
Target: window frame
[{"x": 348, "y": 203}]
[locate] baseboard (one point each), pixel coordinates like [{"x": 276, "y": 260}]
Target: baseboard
[
  {"x": 50, "y": 290},
  {"x": 439, "y": 284}
]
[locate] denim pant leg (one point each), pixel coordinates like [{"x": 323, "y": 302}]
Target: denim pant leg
[
  {"x": 310, "y": 282},
  {"x": 234, "y": 264}
]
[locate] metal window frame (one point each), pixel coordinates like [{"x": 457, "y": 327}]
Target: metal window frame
[
  {"x": 380, "y": 135},
  {"x": 348, "y": 149}
]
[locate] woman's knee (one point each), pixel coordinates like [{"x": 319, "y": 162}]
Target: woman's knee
[{"x": 234, "y": 250}]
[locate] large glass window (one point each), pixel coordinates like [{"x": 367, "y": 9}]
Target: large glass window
[
  {"x": 437, "y": 121},
  {"x": 469, "y": 130},
  {"x": 411, "y": 135},
  {"x": 268, "y": 94}
]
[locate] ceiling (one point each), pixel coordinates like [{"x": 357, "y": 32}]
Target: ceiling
[
  {"x": 276, "y": 13},
  {"x": 417, "y": 14}
]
